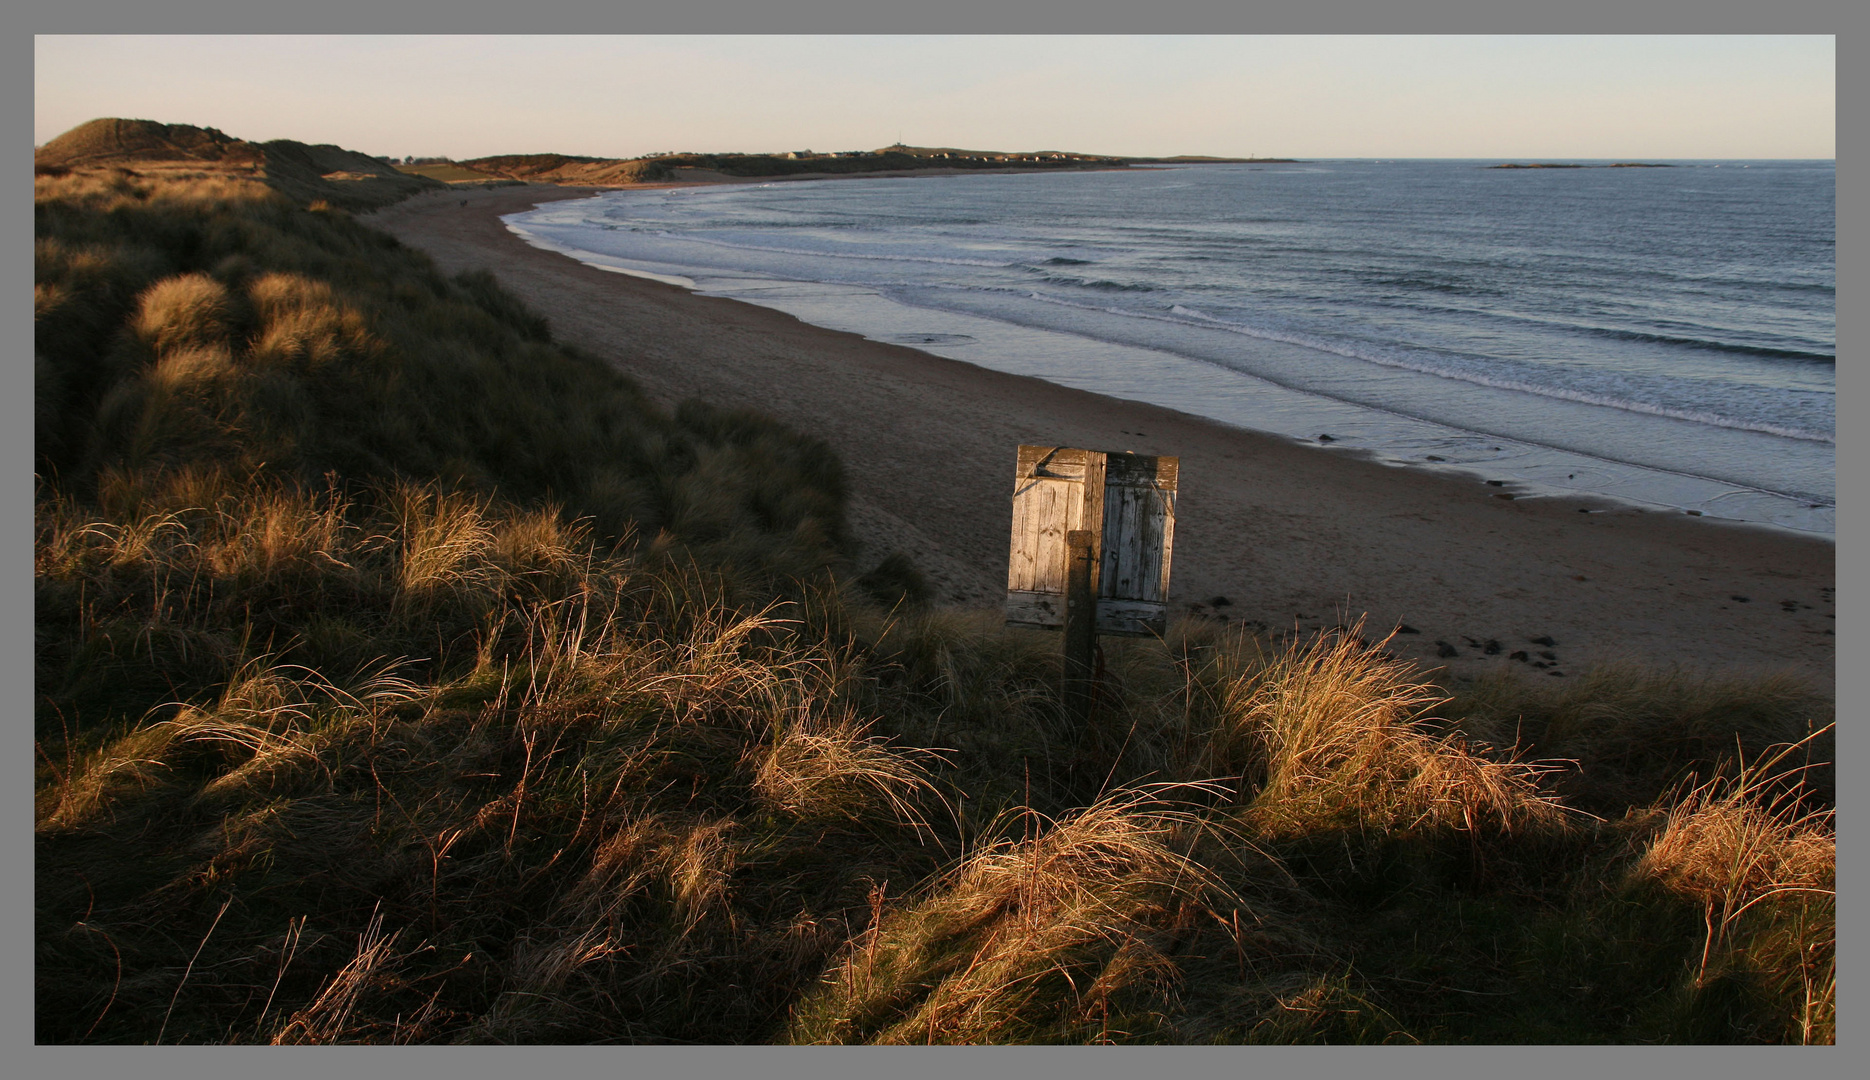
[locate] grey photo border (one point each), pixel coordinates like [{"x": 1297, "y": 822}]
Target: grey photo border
[{"x": 856, "y": 16}]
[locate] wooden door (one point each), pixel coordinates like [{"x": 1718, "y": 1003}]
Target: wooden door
[
  {"x": 1127, "y": 501},
  {"x": 1138, "y": 533}
]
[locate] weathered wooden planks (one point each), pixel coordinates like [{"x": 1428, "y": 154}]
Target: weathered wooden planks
[
  {"x": 1127, "y": 501},
  {"x": 1139, "y": 527},
  {"x": 1048, "y": 501}
]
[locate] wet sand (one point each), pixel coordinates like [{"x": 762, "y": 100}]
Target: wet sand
[{"x": 1289, "y": 535}]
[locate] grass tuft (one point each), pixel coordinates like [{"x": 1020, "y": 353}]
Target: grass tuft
[
  {"x": 1028, "y": 939},
  {"x": 1332, "y": 735}
]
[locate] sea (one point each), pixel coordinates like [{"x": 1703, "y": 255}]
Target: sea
[{"x": 1657, "y": 336}]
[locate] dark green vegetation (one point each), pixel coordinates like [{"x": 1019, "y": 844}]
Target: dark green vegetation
[
  {"x": 405, "y": 676},
  {"x": 566, "y": 169},
  {"x": 445, "y": 172}
]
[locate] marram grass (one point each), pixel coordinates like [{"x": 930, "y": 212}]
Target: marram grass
[{"x": 405, "y": 677}]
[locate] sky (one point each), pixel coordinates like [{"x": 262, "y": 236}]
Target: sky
[{"x": 1638, "y": 97}]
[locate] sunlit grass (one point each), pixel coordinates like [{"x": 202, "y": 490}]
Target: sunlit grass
[{"x": 404, "y": 676}]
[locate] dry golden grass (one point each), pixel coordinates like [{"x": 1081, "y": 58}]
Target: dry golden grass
[
  {"x": 306, "y": 325},
  {"x": 185, "y": 311},
  {"x": 447, "y": 544},
  {"x": 329, "y": 1017},
  {"x": 1332, "y": 735},
  {"x": 1722, "y": 848},
  {"x": 668, "y": 777},
  {"x": 1764, "y": 873},
  {"x": 812, "y": 768},
  {"x": 1031, "y": 938}
]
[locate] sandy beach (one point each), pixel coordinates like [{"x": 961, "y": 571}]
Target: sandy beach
[{"x": 1269, "y": 531}]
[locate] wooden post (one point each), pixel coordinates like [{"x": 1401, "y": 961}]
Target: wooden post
[
  {"x": 1080, "y": 622},
  {"x": 1084, "y": 552}
]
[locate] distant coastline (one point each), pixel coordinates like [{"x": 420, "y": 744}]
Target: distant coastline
[
  {"x": 895, "y": 160},
  {"x": 356, "y": 181},
  {"x": 1573, "y": 165}
]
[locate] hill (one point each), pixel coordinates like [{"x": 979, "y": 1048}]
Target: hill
[
  {"x": 355, "y": 181},
  {"x": 116, "y": 142},
  {"x": 567, "y": 169},
  {"x": 448, "y": 173},
  {"x": 301, "y": 172},
  {"x": 352, "y": 180}
]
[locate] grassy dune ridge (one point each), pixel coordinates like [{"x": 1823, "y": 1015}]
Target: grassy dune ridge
[
  {"x": 403, "y": 675},
  {"x": 300, "y": 171}
]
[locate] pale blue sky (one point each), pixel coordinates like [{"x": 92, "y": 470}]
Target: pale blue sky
[{"x": 1491, "y": 97}]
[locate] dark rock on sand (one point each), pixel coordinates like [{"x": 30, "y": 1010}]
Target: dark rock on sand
[
  {"x": 1443, "y": 649},
  {"x": 1492, "y": 648},
  {"x": 1545, "y": 641},
  {"x": 1219, "y": 601},
  {"x": 1741, "y": 599},
  {"x": 1544, "y": 654},
  {"x": 1519, "y": 655},
  {"x": 1405, "y": 628}
]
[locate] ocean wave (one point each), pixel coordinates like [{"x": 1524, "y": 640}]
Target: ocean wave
[
  {"x": 1423, "y": 361},
  {"x": 1569, "y": 326},
  {"x": 809, "y": 253},
  {"x": 930, "y": 339},
  {"x": 1428, "y": 284},
  {"x": 1101, "y": 284},
  {"x": 1641, "y": 312},
  {"x": 1708, "y": 343},
  {"x": 1200, "y": 320},
  {"x": 1582, "y": 396}
]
